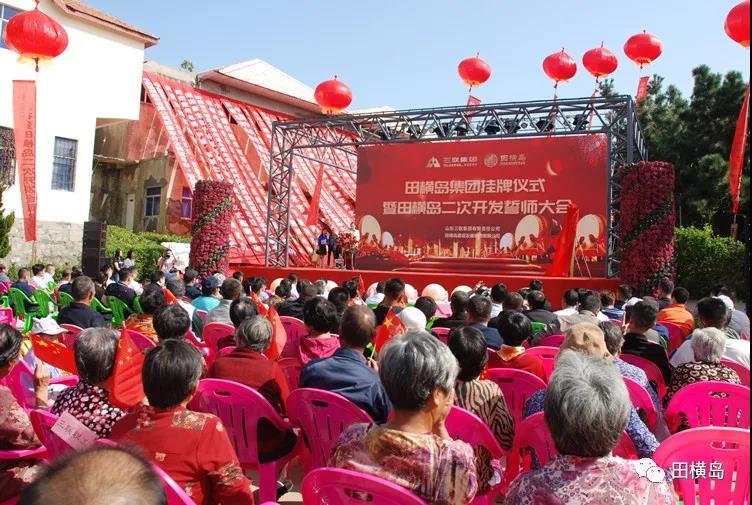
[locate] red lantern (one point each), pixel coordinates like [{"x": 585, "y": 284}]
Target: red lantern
[
  {"x": 559, "y": 66},
  {"x": 600, "y": 62},
  {"x": 737, "y": 24},
  {"x": 643, "y": 48},
  {"x": 35, "y": 36},
  {"x": 333, "y": 96},
  {"x": 474, "y": 71}
]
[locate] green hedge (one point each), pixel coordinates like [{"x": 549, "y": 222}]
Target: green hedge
[
  {"x": 704, "y": 260},
  {"x": 147, "y": 246}
]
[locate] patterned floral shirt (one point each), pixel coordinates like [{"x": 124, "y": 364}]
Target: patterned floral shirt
[
  {"x": 16, "y": 432},
  {"x": 572, "y": 480},
  {"x": 193, "y": 448},
  {"x": 441, "y": 472},
  {"x": 90, "y": 405},
  {"x": 697, "y": 371}
]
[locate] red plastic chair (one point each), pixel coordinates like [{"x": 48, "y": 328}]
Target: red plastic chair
[
  {"x": 741, "y": 370},
  {"x": 295, "y": 330},
  {"x": 141, "y": 341},
  {"x": 70, "y": 337},
  {"x": 517, "y": 386},
  {"x": 22, "y": 374},
  {"x": 176, "y": 495},
  {"x": 548, "y": 355},
  {"x": 441, "y": 333},
  {"x": 710, "y": 403},
  {"x": 552, "y": 341},
  {"x": 42, "y": 421},
  {"x": 6, "y": 316},
  {"x": 323, "y": 416},
  {"x": 651, "y": 370},
  {"x": 617, "y": 322},
  {"x": 675, "y": 336},
  {"x": 291, "y": 367},
  {"x": 213, "y": 333},
  {"x": 464, "y": 425},
  {"x": 193, "y": 339},
  {"x": 718, "y": 448},
  {"x": 642, "y": 402},
  {"x": 240, "y": 408},
  {"x": 335, "y": 486}
]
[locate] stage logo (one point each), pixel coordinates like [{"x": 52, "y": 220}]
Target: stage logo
[
  {"x": 433, "y": 163},
  {"x": 491, "y": 160}
]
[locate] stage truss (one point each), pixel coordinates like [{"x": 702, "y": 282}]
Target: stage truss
[{"x": 615, "y": 116}]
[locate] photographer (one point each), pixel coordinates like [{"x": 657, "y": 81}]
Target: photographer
[{"x": 166, "y": 264}]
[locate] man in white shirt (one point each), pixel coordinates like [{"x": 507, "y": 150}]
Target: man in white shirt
[
  {"x": 37, "y": 279},
  {"x": 498, "y": 294},
  {"x": 49, "y": 273},
  {"x": 569, "y": 303},
  {"x": 134, "y": 284},
  {"x": 378, "y": 296}
]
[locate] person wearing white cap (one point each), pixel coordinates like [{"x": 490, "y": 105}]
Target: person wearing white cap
[
  {"x": 47, "y": 328},
  {"x": 413, "y": 319}
]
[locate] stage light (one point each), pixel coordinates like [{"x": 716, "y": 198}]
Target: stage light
[
  {"x": 544, "y": 125},
  {"x": 492, "y": 128},
  {"x": 580, "y": 122},
  {"x": 442, "y": 131},
  {"x": 415, "y": 132},
  {"x": 461, "y": 129},
  {"x": 385, "y": 134},
  {"x": 511, "y": 125}
]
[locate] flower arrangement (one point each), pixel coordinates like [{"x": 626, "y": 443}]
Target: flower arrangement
[
  {"x": 212, "y": 215},
  {"x": 347, "y": 241},
  {"x": 647, "y": 223}
]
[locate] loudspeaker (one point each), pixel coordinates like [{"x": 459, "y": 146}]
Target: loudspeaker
[{"x": 93, "y": 255}]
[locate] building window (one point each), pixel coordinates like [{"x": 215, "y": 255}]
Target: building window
[
  {"x": 186, "y": 204},
  {"x": 64, "y": 164},
  {"x": 7, "y": 157},
  {"x": 153, "y": 201},
  {"x": 6, "y": 13}
]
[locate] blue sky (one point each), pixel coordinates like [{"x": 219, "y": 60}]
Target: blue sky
[{"x": 405, "y": 53}]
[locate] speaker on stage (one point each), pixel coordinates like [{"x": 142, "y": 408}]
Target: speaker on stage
[{"x": 93, "y": 255}]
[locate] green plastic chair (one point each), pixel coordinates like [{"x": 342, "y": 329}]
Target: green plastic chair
[
  {"x": 20, "y": 300},
  {"x": 537, "y": 326},
  {"x": 120, "y": 311},
  {"x": 64, "y": 300},
  {"x": 44, "y": 300},
  {"x": 51, "y": 286},
  {"x": 137, "y": 305},
  {"x": 5, "y": 301},
  {"x": 100, "y": 307}
]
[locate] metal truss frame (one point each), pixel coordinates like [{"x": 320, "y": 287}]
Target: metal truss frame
[{"x": 307, "y": 138}]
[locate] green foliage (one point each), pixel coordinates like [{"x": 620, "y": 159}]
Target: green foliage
[
  {"x": 6, "y": 223},
  {"x": 146, "y": 246},
  {"x": 187, "y": 65},
  {"x": 704, "y": 260}
]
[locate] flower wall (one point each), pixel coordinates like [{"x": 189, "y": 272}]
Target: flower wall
[
  {"x": 212, "y": 214},
  {"x": 647, "y": 224}
]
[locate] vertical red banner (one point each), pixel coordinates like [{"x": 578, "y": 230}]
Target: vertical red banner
[
  {"x": 24, "y": 131},
  {"x": 736, "y": 159},
  {"x": 642, "y": 89},
  {"x": 313, "y": 211}
]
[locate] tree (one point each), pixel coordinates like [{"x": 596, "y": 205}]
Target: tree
[
  {"x": 187, "y": 65},
  {"x": 6, "y": 223}
]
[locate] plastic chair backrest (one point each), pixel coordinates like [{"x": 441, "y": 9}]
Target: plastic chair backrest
[
  {"x": 42, "y": 421},
  {"x": 119, "y": 309},
  {"x": 323, "y": 416},
  {"x": 710, "y": 403},
  {"x": 531, "y": 435},
  {"x": 6, "y": 315},
  {"x": 552, "y": 341},
  {"x": 724, "y": 450},
  {"x": 537, "y": 326},
  {"x": 642, "y": 402},
  {"x": 20, "y": 300},
  {"x": 441, "y": 333},
  {"x": 651, "y": 370},
  {"x": 64, "y": 300},
  {"x": 675, "y": 336},
  {"x": 99, "y": 306},
  {"x": 44, "y": 300},
  {"x": 548, "y": 355},
  {"x": 741, "y": 370},
  {"x": 617, "y": 322},
  {"x": 140, "y": 340},
  {"x": 69, "y": 338},
  {"x": 295, "y": 330},
  {"x": 176, "y": 495},
  {"x": 335, "y": 486},
  {"x": 4, "y": 287},
  {"x": 213, "y": 332},
  {"x": 137, "y": 305},
  {"x": 14, "y": 381},
  {"x": 291, "y": 367},
  {"x": 517, "y": 386},
  {"x": 202, "y": 314}
]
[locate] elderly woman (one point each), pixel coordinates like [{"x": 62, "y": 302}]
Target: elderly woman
[
  {"x": 192, "y": 447},
  {"x": 88, "y": 401},
  {"x": 481, "y": 397},
  {"x": 414, "y": 449},
  {"x": 16, "y": 431},
  {"x": 586, "y": 409},
  {"x": 152, "y": 298}
]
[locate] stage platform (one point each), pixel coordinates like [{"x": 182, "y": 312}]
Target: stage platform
[{"x": 554, "y": 287}]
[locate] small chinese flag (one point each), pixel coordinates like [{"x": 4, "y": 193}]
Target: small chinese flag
[
  {"x": 642, "y": 89},
  {"x": 313, "y": 211},
  {"x": 279, "y": 335},
  {"x": 169, "y": 297},
  {"x": 54, "y": 353},
  {"x": 361, "y": 286},
  {"x": 259, "y": 304},
  {"x": 124, "y": 385},
  {"x": 391, "y": 327}
]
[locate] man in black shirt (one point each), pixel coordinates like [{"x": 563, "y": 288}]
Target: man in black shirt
[
  {"x": 294, "y": 308},
  {"x": 663, "y": 293},
  {"x": 80, "y": 313},
  {"x": 458, "y": 302},
  {"x": 538, "y": 312},
  {"x": 394, "y": 294},
  {"x": 642, "y": 319},
  {"x": 120, "y": 289},
  {"x": 192, "y": 290}
]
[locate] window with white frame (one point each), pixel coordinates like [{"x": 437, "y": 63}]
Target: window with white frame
[
  {"x": 6, "y": 12},
  {"x": 152, "y": 201},
  {"x": 64, "y": 164},
  {"x": 186, "y": 204}
]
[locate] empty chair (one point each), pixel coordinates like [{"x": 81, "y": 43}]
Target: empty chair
[
  {"x": 323, "y": 416},
  {"x": 741, "y": 370},
  {"x": 295, "y": 330},
  {"x": 642, "y": 402},
  {"x": 517, "y": 386},
  {"x": 709, "y": 403},
  {"x": 651, "y": 370},
  {"x": 547, "y": 354},
  {"x": 334, "y": 486}
]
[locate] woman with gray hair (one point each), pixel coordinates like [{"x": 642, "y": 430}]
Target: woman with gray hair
[
  {"x": 586, "y": 409},
  {"x": 414, "y": 450}
]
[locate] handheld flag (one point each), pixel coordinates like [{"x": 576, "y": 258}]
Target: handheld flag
[
  {"x": 392, "y": 327},
  {"x": 54, "y": 353},
  {"x": 124, "y": 385},
  {"x": 361, "y": 286},
  {"x": 169, "y": 297},
  {"x": 562, "y": 263},
  {"x": 279, "y": 335},
  {"x": 262, "y": 310}
]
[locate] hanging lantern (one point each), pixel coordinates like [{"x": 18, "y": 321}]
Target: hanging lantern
[
  {"x": 35, "y": 36},
  {"x": 643, "y": 48},
  {"x": 333, "y": 96},
  {"x": 737, "y": 24},
  {"x": 559, "y": 67},
  {"x": 474, "y": 71},
  {"x": 600, "y": 62}
]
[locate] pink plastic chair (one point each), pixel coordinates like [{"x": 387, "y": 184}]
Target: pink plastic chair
[
  {"x": 548, "y": 355},
  {"x": 291, "y": 367},
  {"x": 617, "y": 322},
  {"x": 42, "y": 421},
  {"x": 741, "y": 370},
  {"x": 651, "y": 370},
  {"x": 295, "y": 330},
  {"x": 6, "y": 316},
  {"x": 464, "y": 425},
  {"x": 334, "y": 486},
  {"x": 710, "y": 403},
  {"x": 517, "y": 386},
  {"x": 140, "y": 340},
  {"x": 69, "y": 338},
  {"x": 675, "y": 336},
  {"x": 202, "y": 314},
  {"x": 552, "y": 341},
  {"x": 323, "y": 416},
  {"x": 441, "y": 333},
  {"x": 240, "y": 408},
  {"x": 193, "y": 340},
  {"x": 22, "y": 374},
  {"x": 642, "y": 402},
  {"x": 724, "y": 448},
  {"x": 175, "y": 494}
]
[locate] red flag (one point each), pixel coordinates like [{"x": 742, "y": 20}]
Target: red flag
[
  {"x": 169, "y": 297},
  {"x": 361, "y": 286},
  {"x": 313, "y": 211},
  {"x": 392, "y": 327},
  {"x": 124, "y": 385},
  {"x": 279, "y": 335},
  {"x": 259, "y": 304},
  {"x": 565, "y": 244},
  {"x": 25, "y": 132},
  {"x": 642, "y": 89},
  {"x": 54, "y": 353},
  {"x": 736, "y": 159},
  {"x": 472, "y": 101}
]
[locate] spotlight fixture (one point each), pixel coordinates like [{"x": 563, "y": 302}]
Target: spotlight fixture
[
  {"x": 511, "y": 125},
  {"x": 544, "y": 125},
  {"x": 492, "y": 128},
  {"x": 461, "y": 129},
  {"x": 580, "y": 122},
  {"x": 414, "y": 131},
  {"x": 442, "y": 131},
  {"x": 386, "y": 133}
]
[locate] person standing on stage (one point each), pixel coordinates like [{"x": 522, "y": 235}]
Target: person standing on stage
[
  {"x": 355, "y": 232},
  {"x": 332, "y": 249},
  {"x": 322, "y": 247}
]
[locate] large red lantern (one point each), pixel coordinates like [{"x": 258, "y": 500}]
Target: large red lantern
[
  {"x": 333, "y": 96},
  {"x": 737, "y": 24},
  {"x": 600, "y": 62},
  {"x": 559, "y": 67},
  {"x": 474, "y": 71},
  {"x": 35, "y": 36},
  {"x": 643, "y": 48}
]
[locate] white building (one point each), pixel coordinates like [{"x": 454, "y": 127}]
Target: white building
[{"x": 95, "y": 82}]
